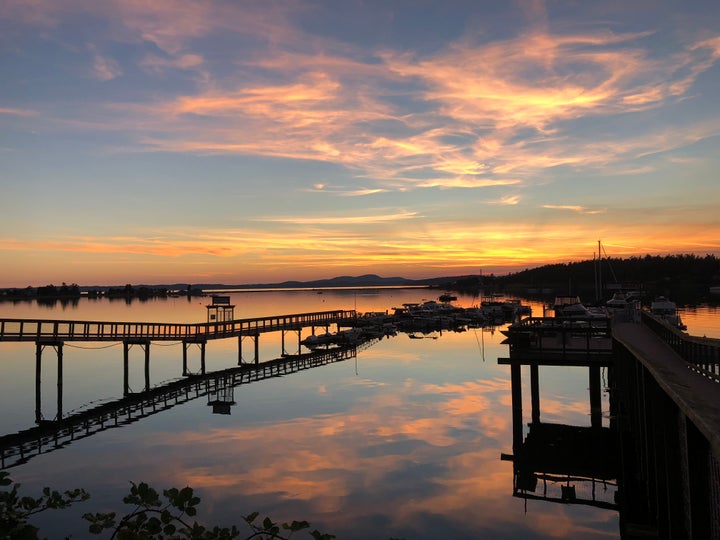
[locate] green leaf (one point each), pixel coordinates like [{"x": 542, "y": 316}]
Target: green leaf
[{"x": 296, "y": 526}]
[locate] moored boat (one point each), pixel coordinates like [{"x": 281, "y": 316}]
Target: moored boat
[
  {"x": 666, "y": 310},
  {"x": 566, "y": 307}
]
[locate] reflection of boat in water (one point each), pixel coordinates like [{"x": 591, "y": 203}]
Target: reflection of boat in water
[
  {"x": 667, "y": 310},
  {"x": 447, "y": 297}
]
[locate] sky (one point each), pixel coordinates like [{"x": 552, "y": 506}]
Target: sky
[{"x": 198, "y": 141}]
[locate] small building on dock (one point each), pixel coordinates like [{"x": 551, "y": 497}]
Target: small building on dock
[{"x": 220, "y": 310}]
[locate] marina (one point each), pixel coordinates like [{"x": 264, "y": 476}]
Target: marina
[{"x": 421, "y": 404}]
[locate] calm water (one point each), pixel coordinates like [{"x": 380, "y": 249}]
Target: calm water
[{"x": 405, "y": 441}]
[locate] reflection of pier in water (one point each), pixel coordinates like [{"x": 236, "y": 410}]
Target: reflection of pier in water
[
  {"x": 574, "y": 464},
  {"x": 218, "y": 386}
]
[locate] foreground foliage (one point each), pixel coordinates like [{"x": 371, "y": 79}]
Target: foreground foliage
[
  {"x": 16, "y": 510},
  {"x": 152, "y": 516}
]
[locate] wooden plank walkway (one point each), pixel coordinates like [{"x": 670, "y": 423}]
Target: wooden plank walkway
[
  {"x": 47, "y": 330},
  {"x": 697, "y": 397}
]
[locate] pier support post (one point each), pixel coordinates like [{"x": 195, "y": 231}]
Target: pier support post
[
  {"x": 38, "y": 383},
  {"x": 516, "y": 387},
  {"x": 240, "y": 338},
  {"x": 535, "y": 394},
  {"x": 147, "y": 367},
  {"x": 59, "y": 414},
  {"x": 126, "y": 369},
  {"x": 595, "y": 397},
  {"x": 257, "y": 349}
]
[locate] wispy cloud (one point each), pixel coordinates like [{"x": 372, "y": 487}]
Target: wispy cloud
[
  {"x": 574, "y": 208},
  {"x": 18, "y": 112},
  {"x": 509, "y": 200},
  {"x": 104, "y": 68},
  {"x": 344, "y": 220},
  {"x": 454, "y": 124},
  {"x": 492, "y": 119},
  {"x": 159, "y": 64}
]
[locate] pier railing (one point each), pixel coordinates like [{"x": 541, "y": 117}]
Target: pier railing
[
  {"x": 62, "y": 330},
  {"x": 553, "y": 339},
  {"x": 702, "y": 353}
]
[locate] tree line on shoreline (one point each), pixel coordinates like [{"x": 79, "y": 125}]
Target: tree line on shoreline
[
  {"x": 73, "y": 292},
  {"x": 685, "y": 278}
]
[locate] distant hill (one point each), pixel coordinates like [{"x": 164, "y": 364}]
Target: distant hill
[
  {"x": 51, "y": 292},
  {"x": 366, "y": 280}
]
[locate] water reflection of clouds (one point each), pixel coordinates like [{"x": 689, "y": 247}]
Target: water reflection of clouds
[
  {"x": 387, "y": 445},
  {"x": 404, "y": 442}
]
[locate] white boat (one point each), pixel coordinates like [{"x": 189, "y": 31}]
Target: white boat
[
  {"x": 667, "y": 310},
  {"x": 571, "y": 307},
  {"x": 617, "y": 302}
]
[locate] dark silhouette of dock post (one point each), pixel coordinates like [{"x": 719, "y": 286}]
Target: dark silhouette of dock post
[
  {"x": 535, "y": 393},
  {"x": 595, "y": 397},
  {"x": 240, "y": 349},
  {"x": 38, "y": 383},
  {"x": 517, "y": 413},
  {"x": 517, "y": 404},
  {"x": 59, "y": 413}
]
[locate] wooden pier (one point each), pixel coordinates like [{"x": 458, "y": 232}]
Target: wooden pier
[
  {"x": 669, "y": 430},
  {"x": 50, "y": 334},
  {"x": 53, "y": 331},
  {"x": 664, "y": 414}
]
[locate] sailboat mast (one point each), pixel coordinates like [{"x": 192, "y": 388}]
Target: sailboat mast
[
  {"x": 599, "y": 289},
  {"x": 595, "y": 277}
]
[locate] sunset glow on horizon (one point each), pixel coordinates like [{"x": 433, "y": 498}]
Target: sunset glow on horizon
[{"x": 256, "y": 142}]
